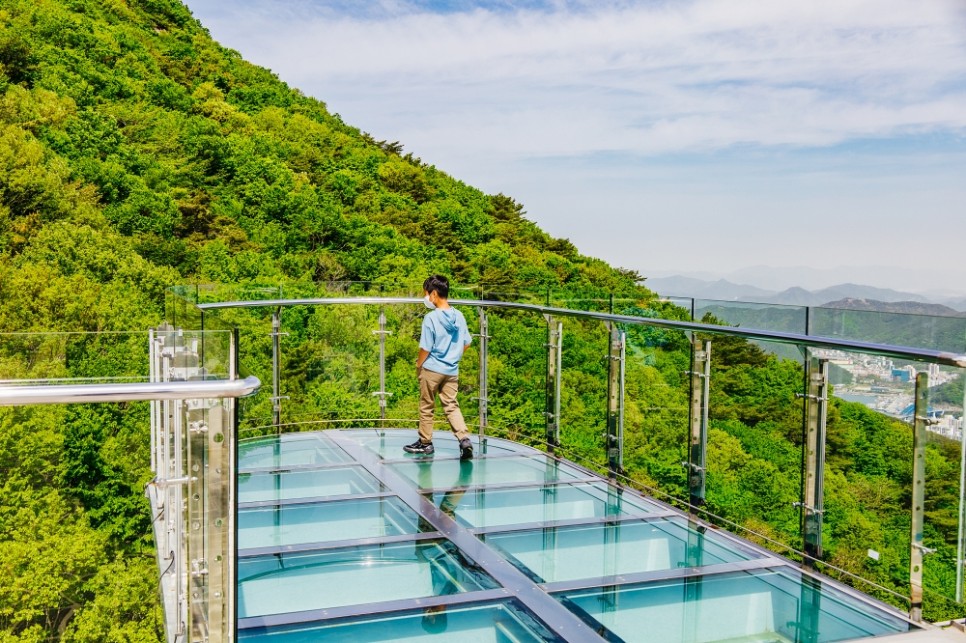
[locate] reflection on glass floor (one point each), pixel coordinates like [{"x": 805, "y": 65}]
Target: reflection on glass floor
[
  {"x": 344, "y": 537},
  {"x": 283, "y": 583}
]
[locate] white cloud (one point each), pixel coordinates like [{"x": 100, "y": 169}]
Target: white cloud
[
  {"x": 485, "y": 94},
  {"x": 642, "y": 77}
]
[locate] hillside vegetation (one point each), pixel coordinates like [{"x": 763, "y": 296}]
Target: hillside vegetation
[{"x": 136, "y": 153}]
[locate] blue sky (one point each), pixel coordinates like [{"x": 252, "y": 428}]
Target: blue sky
[{"x": 825, "y": 140}]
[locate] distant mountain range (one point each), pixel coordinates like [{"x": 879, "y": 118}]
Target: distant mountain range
[{"x": 854, "y": 296}]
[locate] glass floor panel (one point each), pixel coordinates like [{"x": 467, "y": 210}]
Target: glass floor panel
[
  {"x": 390, "y": 446},
  {"x": 774, "y": 606},
  {"x": 296, "y": 449},
  {"x": 319, "y": 483},
  {"x": 285, "y": 583},
  {"x": 502, "y": 507},
  {"x": 379, "y": 590},
  {"x": 324, "y": 522},
  {"x": 557, "y": 554},
  {"x": 428, "y": 473},
  {"x": 499, "y": 623}
]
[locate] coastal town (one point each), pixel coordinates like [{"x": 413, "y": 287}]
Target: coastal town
[{"x": 886, "y": 386}]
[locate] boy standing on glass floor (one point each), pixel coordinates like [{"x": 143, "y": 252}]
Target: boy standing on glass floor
[{"x": 442, "y": 341}]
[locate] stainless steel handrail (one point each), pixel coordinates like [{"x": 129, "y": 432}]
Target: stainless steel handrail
[
  {"x": 816, "y": 341},
  {"x": 88, "y": 393}
]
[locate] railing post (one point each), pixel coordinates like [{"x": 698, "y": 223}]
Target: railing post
[
  {"x": 381, "y": 393},
  {"x": 917, "y": 549},
  {"x": 961, "y": 534},
  {"x": 154, "y": 367},
  {"x": 554, "y": 348},
  {"x": 276, "y": 369},
  {"x": 484, "y": 385},
  {"x": 615, "y": 402},
  {"x": 698, "y": 451},
  {"x": 813, "y": 504}
]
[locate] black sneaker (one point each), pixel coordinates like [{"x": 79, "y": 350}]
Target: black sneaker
[
  {"x": 466, "y": 449},
  {"x": 419, "y": 447}
]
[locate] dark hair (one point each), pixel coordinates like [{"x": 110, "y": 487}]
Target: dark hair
[{"x": 439, "y": 283}]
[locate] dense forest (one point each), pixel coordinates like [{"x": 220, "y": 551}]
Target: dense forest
[{"x": 137, "y": 154}]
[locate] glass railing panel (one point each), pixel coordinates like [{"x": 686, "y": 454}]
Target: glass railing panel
[
  {"x": 105, "y": 357},
  {"x": 517, "y": 376},
  {"x": 288, "y": 450},
  {"x": 656, "y": 410},
  {"x": 776, "y": 606},
  {"x": 901, "y": 329},
  {"x": 427, "y": 474},
  {"x": 502, "y": 507},
  {"x": 942, "y": 586},
  {"x": 777, "y": 317},
  {"x": 282, "y": 526},
  {"x": 286, "y": 583},
  {"x": 555, "y": 554},
  {"x": 292, "y": 485},
  {"x": 582, "y": 392},
  {"x": 504, "y": 622},
  {"x": 870, "y": 460}
]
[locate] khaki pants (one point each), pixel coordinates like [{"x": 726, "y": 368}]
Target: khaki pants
[{"x": 445, "y": 386}]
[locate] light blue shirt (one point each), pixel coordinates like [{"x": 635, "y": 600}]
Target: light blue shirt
[{"x": 444, "y": 336}]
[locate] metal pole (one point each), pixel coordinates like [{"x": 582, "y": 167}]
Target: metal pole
[
  {"x": 382, "y": 365},
  {"x": 233, "y": 355},
  {"x": 557, "y": 383},
  {"x": 917, "y": 549},
  {"x": 276, "y": 375},
  {"x": 552, "y": 404},
  {"x": 176, "y": 513},
  {"x": 381, "y": 393},
  {"x": 813, "y": 504},
  {"x": 615, "y": 403},
  {"x": 700, "y": 389},
  {"x": 155, "y": 406},
  {"x": 960, "y": 542},
  {"x": 484, "y": 391}
]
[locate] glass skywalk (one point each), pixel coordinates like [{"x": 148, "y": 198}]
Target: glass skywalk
[{"x": 343, "y": 537}]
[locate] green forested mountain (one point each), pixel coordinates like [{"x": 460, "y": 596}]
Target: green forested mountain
[{"x": 136, "y": 153}]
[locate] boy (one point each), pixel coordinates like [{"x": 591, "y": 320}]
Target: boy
[{"x": 443, "y": 339}]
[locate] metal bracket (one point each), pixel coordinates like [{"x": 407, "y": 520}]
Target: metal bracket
[
  {"x": 171, "y": 482},
  {"x": 808, "y": 508},
  {"x": 816, "y": 398}
]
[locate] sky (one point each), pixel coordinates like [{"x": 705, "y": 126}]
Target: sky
[{"x": 780, "y": 143}]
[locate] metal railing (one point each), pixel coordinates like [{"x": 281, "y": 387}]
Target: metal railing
[
  {"x": 192, "y": 494},
  {"x": 811, "y": 503}
]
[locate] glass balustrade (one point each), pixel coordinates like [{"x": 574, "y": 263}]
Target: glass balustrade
[
  {"x": 750, "y": 474},
  {"x": 843, "y": 458}
]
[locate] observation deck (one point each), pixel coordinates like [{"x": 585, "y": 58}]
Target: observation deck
[{"x": 304, "y": 534}]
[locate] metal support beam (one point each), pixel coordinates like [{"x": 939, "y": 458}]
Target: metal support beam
[
  {"x": 554, "y": 351},
  {"x": 615, "y": 402},
  {"x": 698, "y": 448},
  {"x": 483, "y": 400},
  {"x": 381, "y": 393},
  {"x": 917, "y": 549},
  {"x": 813, "y": 503}
]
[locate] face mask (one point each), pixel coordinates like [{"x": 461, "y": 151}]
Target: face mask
[{"x": 428, "y": 303}]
